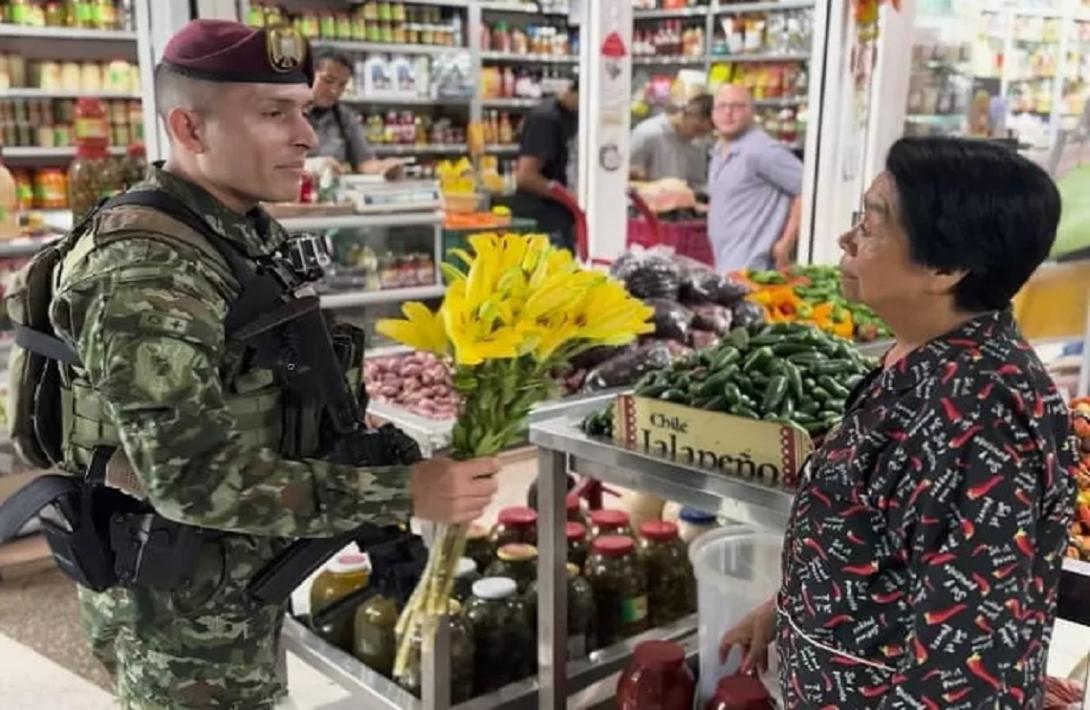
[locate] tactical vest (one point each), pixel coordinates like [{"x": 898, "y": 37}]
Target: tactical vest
[{"x": 57, "y": 417}]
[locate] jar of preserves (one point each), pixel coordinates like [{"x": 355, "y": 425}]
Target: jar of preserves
[
  {"x": 577, "y": 543},
  {"x": 91, "y": 176},
  {"x": 406, "y": 268},
  {"x": 581, "y": 617},
  {"x": 465, "y": 576},
  {"x": 50, "y": 189},
  {"x": 374, "y": 641},
  {"x": 620, "y": 589},
  {"x": 479, "y": 547},
  {"x": 134, "y": 167},
  {"x": 327, "y": 26},
  {"x": 517, "y": 561},
  {"x": 573, "y": 507},
  {"x": 344, "y": 25},
  {"x": 25, "y": 197},
  {"x": 461, "y": 659},
  {"x": 515, "y": 525},
  {"x": 657, "y": 677},
  {"x": 388, "y": 272},
  {"x": 693, "y": 523},
  {"x": 671, "y": 585},
  {"x": 741, "y": 692},
  {"x": 609, "y": 522},
  {"x": 503, "y": 639},
  {"x": 347, "y": 573},
  {"x": 425, "y": 269}
]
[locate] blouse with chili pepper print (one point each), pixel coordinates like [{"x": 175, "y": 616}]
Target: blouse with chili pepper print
[{"x": 922, "y": 560}]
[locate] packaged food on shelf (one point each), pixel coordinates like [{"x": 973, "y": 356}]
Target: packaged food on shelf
[
  {"x": 656, "y": 677},
  {"x": 671, "y": 585},
  {"x": 499, "y": 620},
  {"x": 87, "y": 14},
  {"x": 93, "y": 174},
  {"x": 1079, "y": 545},
  {"x": 619, "y": 583},
  {"x": 347, "y": 573},
  {"x": 419, "y": 382}
]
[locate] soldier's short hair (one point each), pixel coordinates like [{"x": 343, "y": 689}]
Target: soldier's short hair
[{"x": 173, "y": 89}]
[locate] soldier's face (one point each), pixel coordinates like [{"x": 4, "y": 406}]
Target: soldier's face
[{"x": 257, "y": 140}]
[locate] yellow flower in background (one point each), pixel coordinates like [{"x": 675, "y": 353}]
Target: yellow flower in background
[{"x": 422, "y": 329}]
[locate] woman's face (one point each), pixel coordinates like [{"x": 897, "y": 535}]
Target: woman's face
[{"x": 876, "y": 266}]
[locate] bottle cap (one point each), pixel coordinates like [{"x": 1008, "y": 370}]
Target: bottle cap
[
  {"x": 699, "y": 517},
  {"x": 575, "y": 531},
  {"x": 573, "y": 569},
  {"x": 476, "y": 532},
  {"x": 659, "y": 531},
  {"x": 465, "y": 566},
  {"x": 517, "y": 552},
  {"x": 494, "y": 588},
  {"x": 614, "y": 545},
  {"x": 571, "y": 501},
  {"x": 608, "y": 518},
  {"x": 349, "y": 563},
  {"x": 518, "y": 516}
]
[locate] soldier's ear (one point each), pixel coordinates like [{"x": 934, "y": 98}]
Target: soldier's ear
[{"x": 186, "y": 129}]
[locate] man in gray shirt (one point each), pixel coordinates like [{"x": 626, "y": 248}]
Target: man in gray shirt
[
  {"x": 754, "y": 184},
  {"x": 341, "y": 142},
  {"x": 670, "y": 145}
]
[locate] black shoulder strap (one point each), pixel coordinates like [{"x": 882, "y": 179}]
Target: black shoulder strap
[{"x": 30, "y": 499}]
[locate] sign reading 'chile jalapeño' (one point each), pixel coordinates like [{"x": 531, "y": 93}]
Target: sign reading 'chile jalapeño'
[{"x": 746, "y": 448}]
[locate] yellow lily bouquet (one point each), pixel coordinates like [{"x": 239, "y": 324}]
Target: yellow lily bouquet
[{"x": 518, "y": 312}]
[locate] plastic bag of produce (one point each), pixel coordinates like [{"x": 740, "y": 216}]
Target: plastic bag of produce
[
  {"x": 651, "y": 274},
  {"x": 628, "y": 367},
  {"x": 673, "y": 321},
  {"x": 704, "y": 286},
  {"x": 704, "y": 339},
  {"x": 594, "y": 357},
  {"x": 712, "y": 317},
  {"x": 747, "y": 313}
]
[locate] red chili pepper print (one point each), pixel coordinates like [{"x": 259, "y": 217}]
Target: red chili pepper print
[
  {"x": 976, "y": 667},
  {"x": 933, "y": 618},
  {"x": 979, "y": 491}
]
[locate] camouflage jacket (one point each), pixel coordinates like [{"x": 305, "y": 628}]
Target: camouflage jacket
[{"x": 146, "y": 316}]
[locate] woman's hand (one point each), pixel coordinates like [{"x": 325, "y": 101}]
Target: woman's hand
[{"x": 753, "y": 634}]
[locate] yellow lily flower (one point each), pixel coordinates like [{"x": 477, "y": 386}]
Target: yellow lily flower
[{"x": 421, "y": 329}]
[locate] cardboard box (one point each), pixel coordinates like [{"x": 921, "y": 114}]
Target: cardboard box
[{"x": 769, "y": 452}]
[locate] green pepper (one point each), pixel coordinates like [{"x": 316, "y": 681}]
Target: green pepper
[
  {"x": 732, "y": 393},
  {"x": 835, "y": 405},
  {"x": 715, "y": 383},
  {"x": 791, "y": 348},
  {"x": 728, "y": 356},
  {"x": 787, "y": 409},
  {"x": 718, "y": 403},
  {"x": 774, "y": 394},
  {"x": 853, "y": 381},
  {"x": 820, "y": 394},
  {"x": 832, "y": 367},
  {"x": 654, "y": 389},
  {"x": 808, "y": 406},
  {"x": 739, "y": 338},
  {"x": 758, "y": 360}
]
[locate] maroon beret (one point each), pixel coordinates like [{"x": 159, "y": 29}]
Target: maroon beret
[{"x": 218, "y": 50}]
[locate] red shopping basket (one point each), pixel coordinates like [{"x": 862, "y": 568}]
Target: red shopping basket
[{"x": 687, "y": 238}]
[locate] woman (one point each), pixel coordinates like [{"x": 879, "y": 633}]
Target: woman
[{"x": 922, "y": 558}]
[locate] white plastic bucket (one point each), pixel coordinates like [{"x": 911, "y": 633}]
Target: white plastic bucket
[{"x": 737, "y": 569}]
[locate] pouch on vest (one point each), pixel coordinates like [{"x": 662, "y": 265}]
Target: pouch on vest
[{"x": 34, "y": 395}]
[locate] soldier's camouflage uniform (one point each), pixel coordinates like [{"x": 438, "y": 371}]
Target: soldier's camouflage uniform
[{"x": 145, "y": 312}]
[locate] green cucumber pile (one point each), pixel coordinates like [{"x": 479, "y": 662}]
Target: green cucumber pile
[{"x": 784, "y": 372}]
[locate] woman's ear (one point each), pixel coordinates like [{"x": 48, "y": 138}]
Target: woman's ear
[{"x": 943, "y": 281}]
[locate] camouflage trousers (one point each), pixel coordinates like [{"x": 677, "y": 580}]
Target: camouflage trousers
[{"x": 207, "y": 645}]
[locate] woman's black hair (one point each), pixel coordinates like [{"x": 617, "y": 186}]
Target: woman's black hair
[{"x": 974, "y": 205}]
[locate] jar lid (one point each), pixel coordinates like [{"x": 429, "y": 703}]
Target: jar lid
[
  {"x": 692, "y": 515},
  {"x": 476, "y": 531},
  {"x": 609, "y": 518},
  {"x": 573, "y": 569},
  {"x": 743, "y": 691},
  {"x": 349, "y": 563},
  {"x": 518, "y": 516},
  {"x": 614, "y": 545},
  {"x": 517, "y": 552},
  {"x": 659, "y": 655},
  {"x": 572, "y": 502},
  {"x": 659, "y": 530},
  {"x": 465, "y": 566},
  {"x": 575, "y": 531},
  {"x": 136, "y": 150},
  {"x": 494, "y": 588}
]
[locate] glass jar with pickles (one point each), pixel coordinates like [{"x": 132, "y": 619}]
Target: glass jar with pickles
[
  {"x": 374, "y": 642},
  {"x": 581, "y": 614},
  {"x": 609, "y": 522},
  {"x": 515, "y": 525},
  {"x": 347, "y": 573},
  {"x": 671, "y": 585},
  {"x": 479, "y": 547},
  {"x": 465, "y": 576},
  {"x": 578, "y": 548},
  {"x": 461, "y": 659},
  {"x": 503, "y": 640},
  {"x": 620, "y": 589},
  {"x": 517, "y": 561}
]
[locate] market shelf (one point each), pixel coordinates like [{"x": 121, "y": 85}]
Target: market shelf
[
  {"x": 733, "y": 58},
  {"x": 405, "y": 100},
  {"x": 668, "y": 61},
  {"x": 501, "y": 148},
  {"x": 440, "y": 3},
  {"x": 935, "y": 119},
  {"x": 24, "y": 246},
  {"x": 527, "y": 8},
  {"x": 509, "y": 103},
  {"x": 417, "y": 148},
  {"x": 355, "y": 299},
  {"x": 360, "y": 221},
  {"x": 735, "y": 8},
  {"x": 33, "y": 152},
  {"x": 534, "y": 58},
  {"x": 348, "y": 45},
  {"x": 664, "y": 14},
  {"x": 83, "y": 35},
  {"x": 780, "y": 103},
  {"x": 59, "y": 94}
]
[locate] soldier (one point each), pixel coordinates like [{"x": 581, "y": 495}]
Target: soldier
[{"x": 205, "y": 438}]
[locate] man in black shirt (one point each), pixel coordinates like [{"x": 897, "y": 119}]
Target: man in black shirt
[{"x": 544, "y": 152}]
